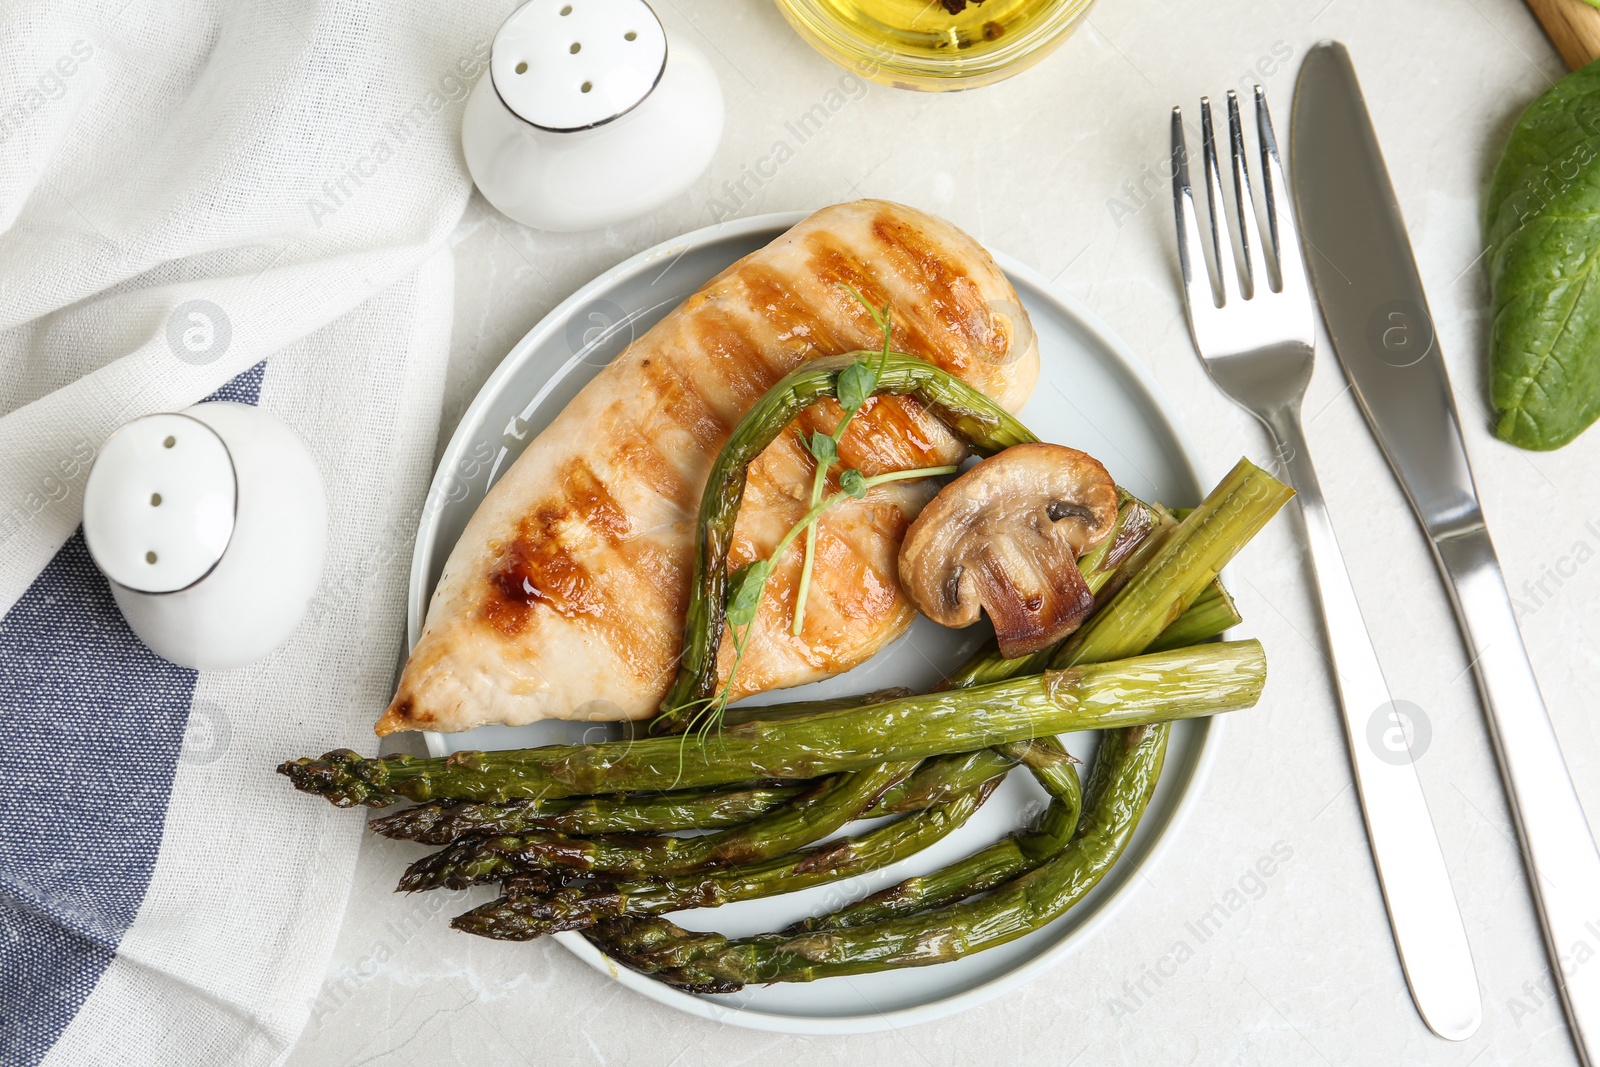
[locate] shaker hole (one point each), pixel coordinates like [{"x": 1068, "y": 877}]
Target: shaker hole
[
  {"x": 155, "y": 500},
  {"x": 567, "y": 10},
  {"x": 585, "y": 87},
  {"x": 576, "y": 48},
  {"x": 522, "y": 68},
  {"x": 169, "y": 442},
  {"x": 149, "y": 557},
  {"x": 630, "y": 36}
]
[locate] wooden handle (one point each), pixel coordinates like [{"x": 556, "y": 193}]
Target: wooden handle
[{"x": 1572, "y": 26}]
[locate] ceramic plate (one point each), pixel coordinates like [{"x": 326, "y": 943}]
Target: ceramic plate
[{"x": 1092, "y": 394}]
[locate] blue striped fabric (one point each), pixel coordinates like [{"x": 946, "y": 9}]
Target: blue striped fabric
[{"x": 94, "y": 723}]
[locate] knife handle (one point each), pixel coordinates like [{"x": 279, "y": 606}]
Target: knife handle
[
  {"x": 1428, "y": 931},
  {"x": 1563, "y": 864}
]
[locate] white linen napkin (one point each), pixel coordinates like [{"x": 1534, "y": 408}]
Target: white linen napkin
[{"x": 189, "y": 188}]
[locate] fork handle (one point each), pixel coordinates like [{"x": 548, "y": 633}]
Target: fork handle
[{"x": 1428, "y": 931}]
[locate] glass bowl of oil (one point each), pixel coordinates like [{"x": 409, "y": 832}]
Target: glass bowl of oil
[{"x": 934, "y": 44}]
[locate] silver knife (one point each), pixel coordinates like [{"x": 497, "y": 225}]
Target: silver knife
[{"x": 1361, "y": 263}]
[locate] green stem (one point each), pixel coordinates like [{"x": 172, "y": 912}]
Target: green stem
[
  {"x": 1231, "y": 515},
  {"x": 803, "y": 590},
  {"x": 988, "y": 867},
  {"x": 554, "y": 908},
  {"x": 1212, "y": 613},
  {"x": 442, "y": 822},
  {"x": 937, "y": 780},
  {"x": 1181, "y": 683},
  {"x": 827, "y": 806}
]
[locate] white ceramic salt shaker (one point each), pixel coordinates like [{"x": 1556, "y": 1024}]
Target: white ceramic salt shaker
[
  {"x": 210, "y": 524},
  {"x": 589, "y": 114}
]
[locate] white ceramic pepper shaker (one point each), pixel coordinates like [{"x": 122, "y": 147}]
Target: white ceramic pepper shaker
[
  {"x": 589, "y": 114},
  {"x": 210, "y": 524}
]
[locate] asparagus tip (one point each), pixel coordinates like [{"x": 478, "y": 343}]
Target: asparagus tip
[
  {"x": 420, "y": 822},
  {"x": 337, "y": 776},
  {"x": 490, "y": 920}
]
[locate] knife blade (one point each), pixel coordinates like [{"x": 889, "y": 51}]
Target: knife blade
[{"x": 1366, "y": 279}]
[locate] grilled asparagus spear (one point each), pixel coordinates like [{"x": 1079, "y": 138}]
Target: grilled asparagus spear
[{"x": 1181, "y": 683}]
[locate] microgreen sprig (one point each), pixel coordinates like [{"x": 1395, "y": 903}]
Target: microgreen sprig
[
  {"x": 855, "y": 386},
  {"x": 747, "y": 584}
]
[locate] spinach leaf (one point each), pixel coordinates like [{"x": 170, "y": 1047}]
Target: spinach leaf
[{"x": 1542, "y": 228}]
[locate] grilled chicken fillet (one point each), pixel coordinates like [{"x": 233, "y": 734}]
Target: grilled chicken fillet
[{"x": 565, "y": 596}]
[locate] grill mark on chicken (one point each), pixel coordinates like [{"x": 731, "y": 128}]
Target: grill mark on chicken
[
  {"x": 648, "y": 584},
  {"x": 840, "y": 266},
  {"x": 590, "y": 502},
  {"x": 539, "y": 572},
  {"x": 737, "y": 369},
  {"x": 790, "y": 318},
  {"x": 539, "y": 568},
  {"x": 643, "y": 459},
  {"x": 896, "y": 433},
  {"x": 954, "y": 300},
  {"x": 864, "y": 589},
  {"x": 541, "y": 565},
  {"x": 681, "y": 403}
]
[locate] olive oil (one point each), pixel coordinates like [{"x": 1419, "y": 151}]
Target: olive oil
[
  {"x": 920, "y": 44},
  {"x": 917, "y": 27}
]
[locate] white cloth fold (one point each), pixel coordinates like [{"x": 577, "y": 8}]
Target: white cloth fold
[
  {"x": 280, "y": 161},
  {"x": 186, "y": 189}
]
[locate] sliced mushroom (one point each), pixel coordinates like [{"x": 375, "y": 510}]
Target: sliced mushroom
[{"x": 1005, "y": 537}]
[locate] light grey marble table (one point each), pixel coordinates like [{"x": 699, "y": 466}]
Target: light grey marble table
[{"x": 1059, "y": 167}]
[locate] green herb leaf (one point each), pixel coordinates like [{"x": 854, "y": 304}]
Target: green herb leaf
[
  {"x": 744, "y": 591},
  {"x": 824, "y": 448},
  {"x": 1543, "y": 257},
  {"x": 855, "y": 384},
  {"x": 853, "y": 482}
]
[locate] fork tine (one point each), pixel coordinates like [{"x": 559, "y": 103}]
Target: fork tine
[
  {"x": 1285, "y": 241},
  {"x": 1249, "y": 229},
  {"x": 1191, "y": 252},
  {"x": 1221, "y": 239}
]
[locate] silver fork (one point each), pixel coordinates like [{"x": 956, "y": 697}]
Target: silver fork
[{"x": 1258, "y": 348}]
